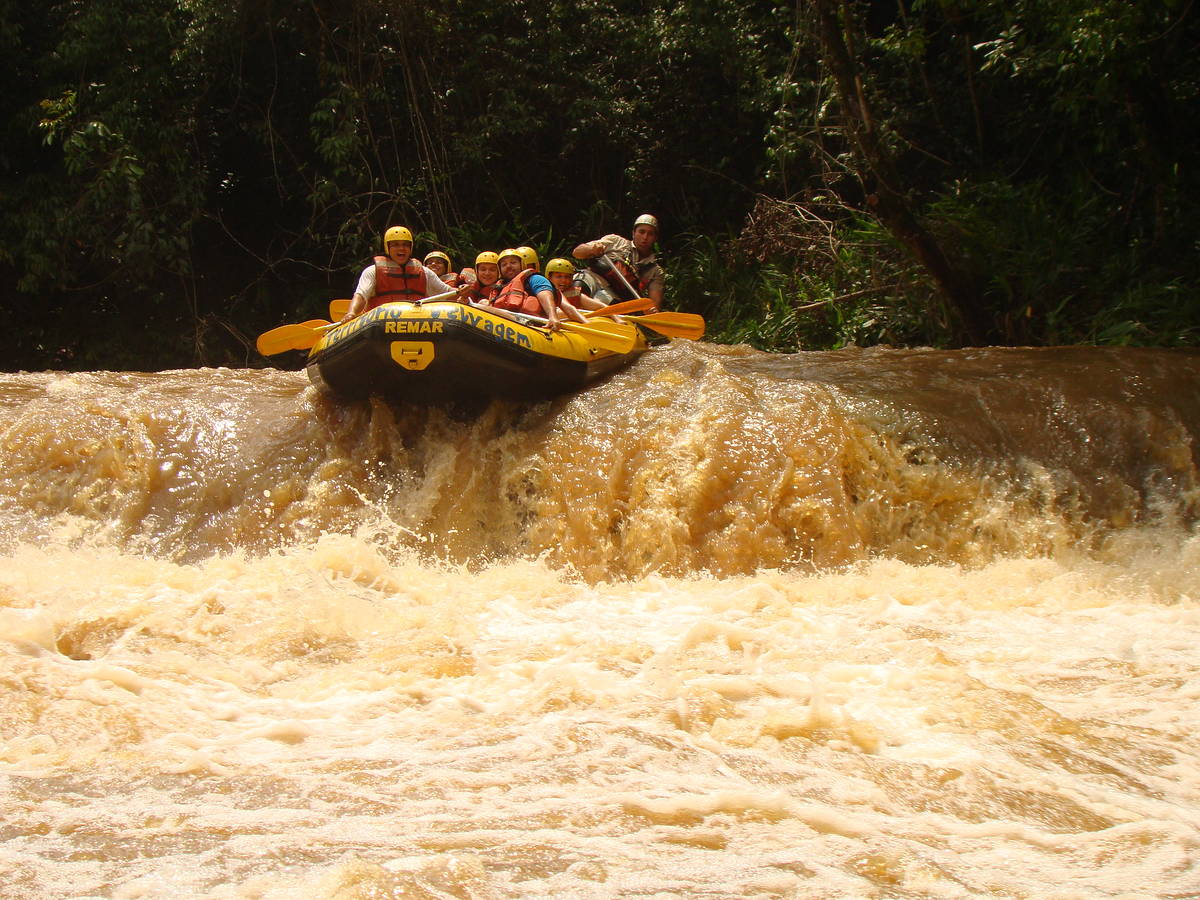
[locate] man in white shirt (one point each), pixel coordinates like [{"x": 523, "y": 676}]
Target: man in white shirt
[{"x": 396, "y": 276}]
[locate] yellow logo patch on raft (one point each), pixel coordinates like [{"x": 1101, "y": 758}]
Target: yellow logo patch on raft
[{"x": 413, "y": 355}]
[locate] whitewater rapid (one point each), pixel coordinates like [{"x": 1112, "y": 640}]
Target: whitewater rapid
[{"x": 866, "y": 624}]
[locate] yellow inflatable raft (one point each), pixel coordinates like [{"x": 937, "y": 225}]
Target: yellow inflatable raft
[{"x": 438, "y": 351}]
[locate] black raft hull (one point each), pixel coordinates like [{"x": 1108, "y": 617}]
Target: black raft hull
[{"x": 439, "y": 352}]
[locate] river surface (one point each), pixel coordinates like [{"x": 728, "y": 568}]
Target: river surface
[{"x": 863, "y": 624}]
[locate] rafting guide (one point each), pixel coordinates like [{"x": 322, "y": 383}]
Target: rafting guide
[{"x": 623, "y": 268}]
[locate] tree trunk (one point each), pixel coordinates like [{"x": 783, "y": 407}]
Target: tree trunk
[{"x": 887, "y": 201}]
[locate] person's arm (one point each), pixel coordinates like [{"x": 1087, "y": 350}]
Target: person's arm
[
  {"x": 362, "y": 294},
  {"x": 592, "y": 249},
  {"x": 656, "y": 289},
  {"x": 656, "y": 294},
  {"x": 435, "y": 285},
  {"x": 585, "y": 301},
  {"x": 572, "y": 313},
  {"x": 550, "y": 308},
  {"x": 357, "y": 304}
]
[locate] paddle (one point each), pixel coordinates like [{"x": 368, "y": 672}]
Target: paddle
[
  {"x": 605, "y": 335},
  {"x": 303, "y": 336},
  {"x": 339, "y": 308},
  {"x": 688, "y": 326},
  {"x": 606, "y": 268},
  {"x": 617, "y": 309},
  {"x": 291, "y": 337},
  {"x": 625, "y": 281}
]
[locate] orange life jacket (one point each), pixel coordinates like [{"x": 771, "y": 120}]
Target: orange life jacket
[
  {"x": 393, "y": 282},
  {"x": 515, "y": 296}
]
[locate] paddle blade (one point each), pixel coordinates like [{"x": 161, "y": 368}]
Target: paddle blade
[
  {"x": 605, "y": 336},
  {"x": 687, "y": 326},
  {"x": 619, "y": 309},
  {"x": 290, "y": 337}
]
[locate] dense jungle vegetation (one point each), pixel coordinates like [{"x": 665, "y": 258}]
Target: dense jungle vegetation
[{"x": 179, "y": 175}]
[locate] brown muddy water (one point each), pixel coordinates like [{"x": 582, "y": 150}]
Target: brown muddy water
[{"x": 865, "y": 624}]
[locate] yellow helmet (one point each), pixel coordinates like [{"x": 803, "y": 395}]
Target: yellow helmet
[
  {"x": 487, "y": 256},
  {"x": 438, "y": 254},
  {"x": 558, "y": 264},
  {"x": 528, "y": 256},
  {"x": 396, "y": 233},
  {"x": 509, "y": 252}
]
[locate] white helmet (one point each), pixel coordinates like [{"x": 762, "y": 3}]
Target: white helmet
[{"x": 646, "y": 219}]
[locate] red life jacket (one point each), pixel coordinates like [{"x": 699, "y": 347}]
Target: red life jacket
[
  {"x": 573, "y": 296},
  {"x": 603, "y": 265},
  {"x": 480, "y": 292},
  {"x": 393, "y": 282},
  {"x": 515, "y": 296},
  {"x": 626, "y": 270}
]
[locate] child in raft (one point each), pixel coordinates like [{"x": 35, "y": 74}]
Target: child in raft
[
  {"x": 570, "y": 298},
  {"x": 486, "y": 287}
]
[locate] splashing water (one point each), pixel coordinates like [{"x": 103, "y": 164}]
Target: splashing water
[{"x": 856, "y": 624}]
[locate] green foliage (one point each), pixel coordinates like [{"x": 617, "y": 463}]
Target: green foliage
[
  {"x": 216, "y": 169},
  {"x": 1047, "y": 144},
  {"x": 861, "y": 292},
  {"x": 1147, "y": 314},
  {"x": 122, "y": 190}
]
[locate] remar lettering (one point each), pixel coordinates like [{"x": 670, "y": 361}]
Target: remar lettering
[
  {"x": 418, "y": 327},
  {"x": 394, "y": 321}
]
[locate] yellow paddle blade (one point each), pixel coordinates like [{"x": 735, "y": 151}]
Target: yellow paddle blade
[
  {"x": 688, "y": 326},
  {"x": 618, "y": 309},
  {"x": 605, "y": 335},
  {"x": 290, "y": 337}
]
